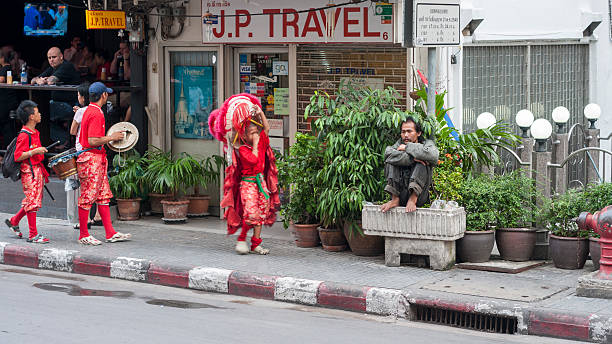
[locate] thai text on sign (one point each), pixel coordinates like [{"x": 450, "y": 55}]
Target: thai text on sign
[
  {"x": 105, "y": 19},
  {"x": 280, "y": 22}
]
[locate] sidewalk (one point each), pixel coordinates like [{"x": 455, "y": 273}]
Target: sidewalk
[{"x": 199, "y": 255}]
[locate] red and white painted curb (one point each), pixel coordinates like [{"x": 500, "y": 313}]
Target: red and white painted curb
[{"x": 372, "y": 300}]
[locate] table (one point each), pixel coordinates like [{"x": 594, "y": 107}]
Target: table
[{"x": 67, "y": 88}]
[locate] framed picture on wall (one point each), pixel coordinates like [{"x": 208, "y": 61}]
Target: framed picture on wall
[{"x": 193, "y": 101}]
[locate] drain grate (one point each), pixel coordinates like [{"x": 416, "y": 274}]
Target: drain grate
[{"x": 473, "y": 321}]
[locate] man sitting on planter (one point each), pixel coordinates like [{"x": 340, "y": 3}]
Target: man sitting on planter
[{"x": 409, "y": 167}]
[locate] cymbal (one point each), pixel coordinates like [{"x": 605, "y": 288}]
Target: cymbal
[{"x": 130, "y": 139}]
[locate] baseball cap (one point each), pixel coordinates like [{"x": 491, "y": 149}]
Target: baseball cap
[{"x": 99, "y": 88}]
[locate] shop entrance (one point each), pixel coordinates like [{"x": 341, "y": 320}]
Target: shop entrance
[{"x": 265, "y": 74}]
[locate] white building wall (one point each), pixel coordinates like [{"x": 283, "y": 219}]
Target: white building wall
[{"x": 529, "y": 20}]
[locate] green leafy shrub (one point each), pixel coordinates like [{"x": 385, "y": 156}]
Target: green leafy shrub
[
  {"x": 447, "y": 179},
  {"x": 500, "y": 201},
  {"x": 126, "y": 181},
  {"x": 354, "y": 129},
  {"x": 298, "y": 172}
]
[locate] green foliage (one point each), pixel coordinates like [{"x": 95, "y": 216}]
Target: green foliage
[
  {"x": 447, "y": 178},
  {"x": 156, "y": 160},
  {"x": 298, "y": 172},
  {"x": 354, "y": 129},
  {"x": 473, "y": 148},
  {"x": 501, "y": 201},
  {"x": 563, "y": 209},
  {"x": 127, "y": 182},
  {"x": 209, "y": 172}
]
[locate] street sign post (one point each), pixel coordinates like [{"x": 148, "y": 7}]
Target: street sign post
[{"x": 431, "y": 24}]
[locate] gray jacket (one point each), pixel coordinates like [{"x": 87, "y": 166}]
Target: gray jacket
[{"x": 426, "y": 151}]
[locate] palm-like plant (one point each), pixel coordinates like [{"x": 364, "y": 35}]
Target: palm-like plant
[
  {"x": 210, "y": 171},
  {"x": 127, "y": 182},
  {"x": 478, "y": 147},
  {"x": 157, "y": 160},
  {"x": 177, "y": 175}
]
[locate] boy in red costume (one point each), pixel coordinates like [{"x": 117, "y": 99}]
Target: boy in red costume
[
  {"x": 250, "y": 188},
  {"x": 29, "y": 152},
  {"x": 92, "y": 167}
]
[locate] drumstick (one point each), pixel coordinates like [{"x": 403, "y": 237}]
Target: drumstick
[{"x": 53, "y": 145}]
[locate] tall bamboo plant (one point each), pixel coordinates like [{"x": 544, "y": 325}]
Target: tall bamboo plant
[{"x": 354, "y": 128}]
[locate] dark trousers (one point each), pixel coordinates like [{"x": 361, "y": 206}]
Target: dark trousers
[{"x": 403, "y": 181}]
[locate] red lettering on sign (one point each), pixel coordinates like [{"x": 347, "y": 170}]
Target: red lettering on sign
[
  {"x": 337, "y": 16},
  {"x": 367, "y": 33},
  {"x": 293, "y": 23},
  {"x": 239, "y": 24},
  {"x": 312, "y": 16},
  {"x": 271, "y": 13},
  {"x": 347, "y": 21},
  {"x": 220, "y": 34}
]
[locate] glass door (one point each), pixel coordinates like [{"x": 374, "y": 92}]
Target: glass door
[{"x": 265, "y": 74}]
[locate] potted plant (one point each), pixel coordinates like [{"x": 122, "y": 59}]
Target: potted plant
[
  {"x": 156, "y": 160},
  {"x": 479, "y": 238},
  {"x": 515, "y": 203},
  {"x": 569, "y": 246},
  {"x": 126, "y": 185},
  {"x": 297, "y": 171},
  {"x": 176, "y": 175},
  {"x": 354, "y": 129},
  {"x": 205, "y": 172}
]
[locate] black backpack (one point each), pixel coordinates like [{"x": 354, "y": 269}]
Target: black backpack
[{"x": 11, "y": 168}]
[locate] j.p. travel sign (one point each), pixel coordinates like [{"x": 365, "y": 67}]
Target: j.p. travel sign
[
  {"x": 105, "y": 19},
  {"x": 283, "y": 21}
]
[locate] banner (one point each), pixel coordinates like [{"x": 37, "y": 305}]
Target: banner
[
  {"x": 105, "y": 19},
  {"x": 193, "y": 101},
  {"x": 282, "y": 21}
]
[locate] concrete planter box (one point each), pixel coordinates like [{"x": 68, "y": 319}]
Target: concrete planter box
[{"x": 425, "y": 232}]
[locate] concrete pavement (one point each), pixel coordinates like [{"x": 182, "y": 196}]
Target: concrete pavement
[{"x": 199, "y": 255}]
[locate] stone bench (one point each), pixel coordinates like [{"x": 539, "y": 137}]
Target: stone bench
[{"x": 425, "y": 232}]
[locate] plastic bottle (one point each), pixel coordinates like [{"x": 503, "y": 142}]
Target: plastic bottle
[
  {"x": 103, "y": 74},
  {"x": 9, "y": 77},
  {"x": 24, "y": 74},
  {"x": 120, "y": 67}
]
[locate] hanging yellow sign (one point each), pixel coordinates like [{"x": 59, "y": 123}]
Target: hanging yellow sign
[{"x": 105, "y": 19}]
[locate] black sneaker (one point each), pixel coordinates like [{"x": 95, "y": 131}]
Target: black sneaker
[{"x": 15, "y": 229}]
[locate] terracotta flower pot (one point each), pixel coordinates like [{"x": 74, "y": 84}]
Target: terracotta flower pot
[
  {"x": 129, "y": 209},
  {"x": 175, "y": 210},
  {"x": 155, "y": 200},
  {"x": 198, "y": 205},
  {"x": 475, "y": 246},
  {"x": 332, "y": 239},
  {"x": 569, "y": 253},
  {"x": 364, "y": 245},
  {"x": 515, "y": 244},
  {"x": 595, "y": 251},
  {"x": 305, "y": 235}
]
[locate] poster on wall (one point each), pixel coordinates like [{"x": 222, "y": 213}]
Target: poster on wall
[{"x": 193, "y": 101}]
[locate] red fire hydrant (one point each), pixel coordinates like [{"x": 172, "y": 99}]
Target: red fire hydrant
[{"x": 601, "y": 223}]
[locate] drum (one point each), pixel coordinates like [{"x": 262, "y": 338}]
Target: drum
[
  {"x": 130, "y": 140},
  {"x": 64, "y": 164}
]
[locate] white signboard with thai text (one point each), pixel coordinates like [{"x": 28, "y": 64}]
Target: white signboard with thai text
[
  {"x": 436, "y": 23},
  {"x": 289, "y": 21}
]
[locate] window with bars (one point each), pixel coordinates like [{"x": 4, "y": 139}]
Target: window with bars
[{"x": 505, "y": 79}]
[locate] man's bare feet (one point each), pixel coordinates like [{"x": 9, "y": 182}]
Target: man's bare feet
[
  {"x": 411, "y": 204},
  {"x": 410, "y": 207},
  {"x": 394, "y": 202}
]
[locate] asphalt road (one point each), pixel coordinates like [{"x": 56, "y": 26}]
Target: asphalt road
[{"x": 38, "y": 306}]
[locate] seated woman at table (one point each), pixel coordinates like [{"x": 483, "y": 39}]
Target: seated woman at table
[{"x": 8, "y": 101}]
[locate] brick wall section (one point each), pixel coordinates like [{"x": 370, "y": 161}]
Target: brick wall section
[{"x": 313, "y": 64}]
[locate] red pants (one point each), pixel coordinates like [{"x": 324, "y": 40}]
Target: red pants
[
  {"x": 32, "y": 187},
  {"x": 255, "y": 205},
  {"x": 92, "y": 169}
]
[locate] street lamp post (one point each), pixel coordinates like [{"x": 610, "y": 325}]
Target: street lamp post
[
  {"x": 592, "y": 112},
  {"x": 541, "y": 129},
  {"x": 524, "y": 120},
  {"x": 560, "y": 116}
]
